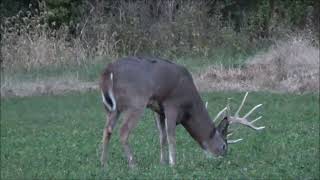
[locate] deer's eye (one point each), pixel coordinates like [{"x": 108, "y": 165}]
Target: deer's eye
[{"x": 212, "y": 133}]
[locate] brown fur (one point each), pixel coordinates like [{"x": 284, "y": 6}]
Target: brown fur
[{"x": 169, "y": 90}]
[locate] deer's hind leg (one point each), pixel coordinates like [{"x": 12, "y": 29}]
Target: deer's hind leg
[
  {"x": 130, "y": 120},
  {"x": 109, "y": 126}
]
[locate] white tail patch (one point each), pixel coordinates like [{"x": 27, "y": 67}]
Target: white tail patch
[
  {"x": 105, "y": 102},
  {"x": 110, "y": 92},
  {"x": 111, "y": 107}
]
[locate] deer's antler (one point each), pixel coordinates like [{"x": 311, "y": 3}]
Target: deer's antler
[
  {"x": 234, "y": 140},
  {"x": 241, "y": 120}
]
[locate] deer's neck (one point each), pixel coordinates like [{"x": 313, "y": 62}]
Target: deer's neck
[{"x": 199, "y": 125}]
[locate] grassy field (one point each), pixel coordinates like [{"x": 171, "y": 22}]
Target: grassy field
[{"x": 58, "y": 137}]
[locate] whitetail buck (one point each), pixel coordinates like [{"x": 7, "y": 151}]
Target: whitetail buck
[{"x": 131, "y": 84}]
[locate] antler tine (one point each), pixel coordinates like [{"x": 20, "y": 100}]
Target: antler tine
[
  {"x": 219, "y": 114},
  {"x": 256, "y": 119},
  {"x": 228, "y": 108},
  {"x": 242, "y": 103},
  {"x": 246, "y": 122},
  {"x": 255, "y": 128},
  {"x": 234, "y": 141},
  {"x": 254, "y": 108}
]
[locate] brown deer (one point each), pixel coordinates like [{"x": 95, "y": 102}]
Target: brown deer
[{"x": 129, "y": 85}]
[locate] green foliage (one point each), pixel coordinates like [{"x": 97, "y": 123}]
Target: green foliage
[
  {"x": 259, "y": 20},
  {"x": 297, "y": 11},
  {"x": 12, "y": 7},
  {"x": 62, "y": 11},
  {"x": 57, "y": 137},
  {"x": 266, "y": 15}
]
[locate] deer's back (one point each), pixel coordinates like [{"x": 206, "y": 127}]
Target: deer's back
[{"x": 137, "y": 80}]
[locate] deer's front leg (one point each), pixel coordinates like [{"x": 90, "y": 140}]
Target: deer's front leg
[
  {"x": 170, "y": 122},
  {"x": 110, "y": 123},
  {"x": 160, "y": 120}
]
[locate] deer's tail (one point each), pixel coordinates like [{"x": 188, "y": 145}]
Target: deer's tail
[{"x": 106, "y": 86}]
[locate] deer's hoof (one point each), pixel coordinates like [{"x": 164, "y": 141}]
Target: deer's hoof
[
  {"x": 172, "y": 164},
  {"x": 132, "y": 165},
  {"x": 163, "y": 161},
  {"x": 103, "y": 162}
]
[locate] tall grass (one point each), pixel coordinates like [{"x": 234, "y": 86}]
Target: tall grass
[{"x": 28, "y": 41}]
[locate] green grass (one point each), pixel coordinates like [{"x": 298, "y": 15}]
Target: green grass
[{"x": 58, "y": 137}]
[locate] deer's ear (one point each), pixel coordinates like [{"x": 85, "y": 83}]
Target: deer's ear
[{"x": 223, "y": 127}]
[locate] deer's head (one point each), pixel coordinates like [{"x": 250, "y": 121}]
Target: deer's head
[{"x": 217, "y": 143}]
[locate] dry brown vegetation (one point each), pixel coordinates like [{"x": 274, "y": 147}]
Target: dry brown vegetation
[
  {"x": 288, "y": 66},
  {"x": 23, "y": 50}
]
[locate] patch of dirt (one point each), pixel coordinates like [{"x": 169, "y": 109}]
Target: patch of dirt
[{"x": 45, "y": 88}]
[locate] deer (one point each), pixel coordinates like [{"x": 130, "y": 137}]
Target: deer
[{"x": 130, "y": 85}]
